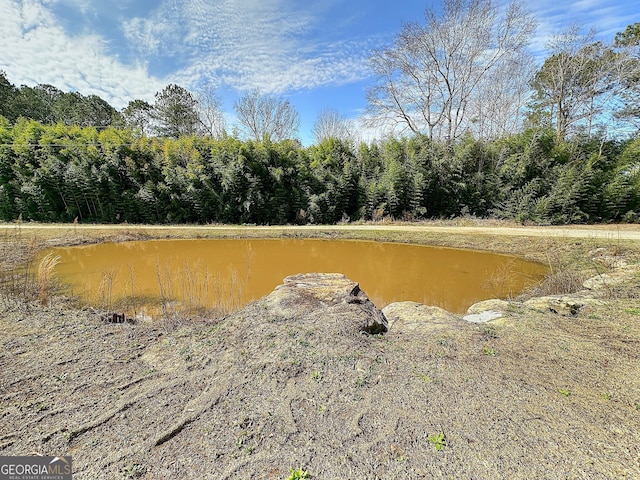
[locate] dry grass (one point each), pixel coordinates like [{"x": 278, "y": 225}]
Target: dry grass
[
  {"x": 45, "y": 277},
  {"x": 17, "y": 257},
  {"x": 203, "y": 295}
]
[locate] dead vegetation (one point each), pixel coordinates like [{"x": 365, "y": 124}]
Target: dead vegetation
[{"x": 260, "y": 394}]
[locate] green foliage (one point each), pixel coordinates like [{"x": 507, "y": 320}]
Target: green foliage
[
  {"x": 298, "y": 474},
  {"x": 175, "y": 111},
  {"x": 490, "y": 352},
  {"x": 59, "y": 173},
  {"x": 565, "y": 392},
  {"x": 48, "y": 104},
  {"x": 630, "y": 36},
  {"x": 438, "y": 440}
]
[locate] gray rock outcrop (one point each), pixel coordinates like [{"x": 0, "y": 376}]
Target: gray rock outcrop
[
  {"x": 340, "y": 296},
  {"x": 489, "y": 310},
  {"x": 564, "y": 305}
]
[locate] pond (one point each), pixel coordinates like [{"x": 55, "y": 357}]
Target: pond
[{"x": 141, "y": 277}]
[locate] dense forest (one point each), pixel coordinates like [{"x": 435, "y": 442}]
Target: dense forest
[
  {"x": 62, "y": 173},
  {"x": 548, "y": 158}
]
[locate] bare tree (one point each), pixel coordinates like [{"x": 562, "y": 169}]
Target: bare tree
[
  {"x": 496, "y": 109},
  {"x": 212, "y": 121},
  {"x": 330, "y": 124},
  {"x": 267, "y": 117},
  {"x": 433, "y": 73},
  {"x": 578, "y": 81},
  {"x": 627, "y": 43}
]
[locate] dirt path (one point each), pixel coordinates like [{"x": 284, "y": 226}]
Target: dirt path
[{"x": 609, "y": 232}]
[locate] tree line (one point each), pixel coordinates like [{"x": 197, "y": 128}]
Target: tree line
[
  {"x": 176, "y": 112},
  {"x": 480, "y": 130},
  {"x": 59, "y": 173}
]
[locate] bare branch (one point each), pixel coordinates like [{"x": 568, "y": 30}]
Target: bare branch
[
  {"x": 434, "y": 74},
  {"x": 264, "y": 116}
]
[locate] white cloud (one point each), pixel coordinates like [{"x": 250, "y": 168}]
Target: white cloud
[
  {"x": 37, "y": 50},
  {"x": 277, "y": 46},
  {"x": 248, "y": 44},
  {"x": 273, "y": 45},
  {"x": 606, "y": 17}
]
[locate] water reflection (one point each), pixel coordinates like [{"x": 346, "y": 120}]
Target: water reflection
[{"x": 227, "y": 274}]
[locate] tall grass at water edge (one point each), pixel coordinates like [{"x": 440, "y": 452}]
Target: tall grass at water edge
[
  {"x": 24, "y": 277},
  {"x": 192, "y": 291}
]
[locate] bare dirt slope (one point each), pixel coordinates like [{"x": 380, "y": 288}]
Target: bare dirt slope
[{"x": 290, "y": 381}]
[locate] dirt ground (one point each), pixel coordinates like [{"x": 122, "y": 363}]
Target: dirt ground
[{"x": 254, "y": 394}]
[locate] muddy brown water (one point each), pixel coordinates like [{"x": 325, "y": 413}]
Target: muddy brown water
[{"x": 141, "y": 277}]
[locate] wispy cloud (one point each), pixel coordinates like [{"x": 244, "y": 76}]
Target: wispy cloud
[
  {"x": 247, "y": 44},
  {"x": 128, "y": 49},
  {"x": 606, "y": 17},
  {"x": 276, "y": 46},
  {"x": 36, "y": 49}
]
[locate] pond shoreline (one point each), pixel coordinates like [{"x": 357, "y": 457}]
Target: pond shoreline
[{"x": 202, "y": 273}]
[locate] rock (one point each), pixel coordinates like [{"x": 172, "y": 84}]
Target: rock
[
  {"x": 565, "y": 305},
  {"x": 489, "y": 310},
  {"x": 494, "y": 304},
  {"x": 417, "y": 318},
  {"x": 332, "y": 293},
  {"x": 607, "y": 258},
  {"x": 605, "y": 281},
  {"x": 483, "y": 317}
]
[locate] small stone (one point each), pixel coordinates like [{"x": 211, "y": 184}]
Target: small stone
[{"x": 483, "y": 317}]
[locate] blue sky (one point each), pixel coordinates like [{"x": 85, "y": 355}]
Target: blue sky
[{"x": 313, "y": 53}]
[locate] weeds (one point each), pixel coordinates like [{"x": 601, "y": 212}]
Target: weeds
[
  {"x": 501, "y": 283},
  {"x": 488, "y": 331},
  {"x": 45, "y": 276},
  {"x": 298, "y": 474},
  {"x": 362, "y": 381},
  {"x": 562, "y": 277},
  {"x": 105, "y": 290},
  {"x": 22, "y": 277},
  {"x": 192, "y": 291},
  {"x": 438, "y": 440},
  {"x": 134, "y": 470},
  {"x": 490, "y": 352}
]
